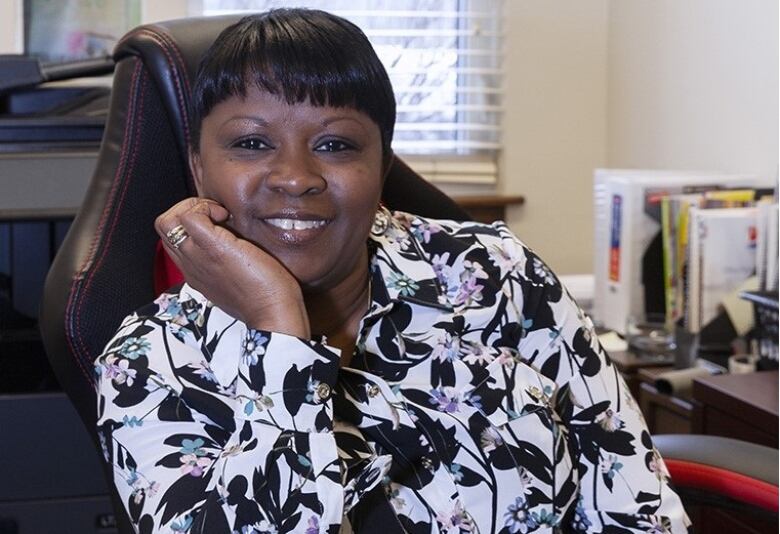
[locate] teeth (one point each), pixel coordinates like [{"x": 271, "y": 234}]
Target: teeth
[{"x": 295, "y": 224}]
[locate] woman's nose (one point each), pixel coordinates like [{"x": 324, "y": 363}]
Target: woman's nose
[{"x": 295, "y": 175}]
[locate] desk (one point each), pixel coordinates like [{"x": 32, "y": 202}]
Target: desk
[
  {"x": 630, "y": 363},
  {"x": 738, "y": 406}
]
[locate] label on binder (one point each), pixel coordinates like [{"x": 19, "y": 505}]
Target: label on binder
[{"x": 614, "y": 240}]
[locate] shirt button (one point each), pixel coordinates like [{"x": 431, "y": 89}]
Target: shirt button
[
  {"x": 373, "y": 390},
  {"x": 322, "y": 391}
]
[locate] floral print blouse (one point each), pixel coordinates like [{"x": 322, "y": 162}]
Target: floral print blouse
[{"x": 477, "y": 400}]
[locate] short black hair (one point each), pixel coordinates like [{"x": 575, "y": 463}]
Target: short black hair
[{"x": 299, "y": 55}]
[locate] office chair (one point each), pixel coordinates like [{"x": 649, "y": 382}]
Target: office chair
[{"x": 105, "y": 267}]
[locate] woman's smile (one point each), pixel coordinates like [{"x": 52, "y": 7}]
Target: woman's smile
[{"x": 296, "y": 228}]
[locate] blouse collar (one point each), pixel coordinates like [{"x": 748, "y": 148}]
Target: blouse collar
[{"x": 402, "y": 270}]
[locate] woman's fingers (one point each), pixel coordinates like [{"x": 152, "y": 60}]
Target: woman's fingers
[
  {"x": 201, "y": 222},
  {"x": 191, "y": 215},
  {"x": 212, "y": 209}
]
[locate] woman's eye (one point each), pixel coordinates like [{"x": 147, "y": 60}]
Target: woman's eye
[
  {"x": 333, "y": 146},
  {"x": 251, "y": 143}
]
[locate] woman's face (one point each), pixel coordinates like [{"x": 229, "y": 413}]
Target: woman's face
[{"x": 301, "y": 182}]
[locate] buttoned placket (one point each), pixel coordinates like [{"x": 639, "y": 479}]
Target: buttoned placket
[{"x": 382, "y": 401}]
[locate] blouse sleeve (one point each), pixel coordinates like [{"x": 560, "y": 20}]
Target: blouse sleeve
[
  {"x": 194, "y": 449},
  {"x": 624, "y": 484}
]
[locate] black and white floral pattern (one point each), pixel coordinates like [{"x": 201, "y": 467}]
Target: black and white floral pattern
[{"x": 478, "y": 400}]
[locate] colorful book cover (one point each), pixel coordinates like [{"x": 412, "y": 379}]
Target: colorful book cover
[
  {"x": 679, "y": 206},
  {"x": 669, "y": 246}
]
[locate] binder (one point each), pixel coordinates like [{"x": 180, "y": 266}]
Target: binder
[{"x": 721, "y": 256}]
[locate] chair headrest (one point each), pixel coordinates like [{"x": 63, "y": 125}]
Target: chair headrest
[{"x": 171, "y": 52}]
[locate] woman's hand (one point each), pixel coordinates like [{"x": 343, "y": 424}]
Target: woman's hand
[{"x": 239, "y": 277}]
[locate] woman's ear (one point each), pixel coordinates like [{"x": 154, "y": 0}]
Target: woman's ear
[{"x": 196, "y": 168}]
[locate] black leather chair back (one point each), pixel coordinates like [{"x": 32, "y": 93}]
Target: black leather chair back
[{"x": 104, "y": 269}]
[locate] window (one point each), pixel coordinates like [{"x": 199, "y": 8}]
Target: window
[{"x": 444, "y": 59}]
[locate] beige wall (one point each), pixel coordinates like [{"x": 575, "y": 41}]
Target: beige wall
[
  {"x": 555, "y": 124},
  {"x": 693, "y": 84},
  {"x": 154, "y": 10},
  {"x": 10, "y": 22}
]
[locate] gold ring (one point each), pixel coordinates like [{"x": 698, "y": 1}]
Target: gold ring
[{"x": 176, "y": 236}]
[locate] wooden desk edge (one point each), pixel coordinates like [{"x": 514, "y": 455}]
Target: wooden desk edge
[{"x": 709, "y": 391}]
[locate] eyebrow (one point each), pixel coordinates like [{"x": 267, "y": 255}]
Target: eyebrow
[
  {"x": 331, "y": 120},
  {"x": 248, "y": 118}
]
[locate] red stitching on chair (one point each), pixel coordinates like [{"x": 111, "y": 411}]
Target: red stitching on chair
[
  {"x": 77, "y": 295},
  {"x": 182, "y": 64},
  {"x": 185, "y": 104},
  {"x": 724, "y": 482},
  {"x": 160, "y": 39}
]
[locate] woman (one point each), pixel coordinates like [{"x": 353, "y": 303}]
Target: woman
[{"x": 329, "y": 366}]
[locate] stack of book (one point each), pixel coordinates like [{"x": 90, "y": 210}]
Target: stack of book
[{"x": 714, "y": 242}]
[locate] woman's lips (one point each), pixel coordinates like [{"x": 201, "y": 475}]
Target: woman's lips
[{"x": 296, "y": 231}]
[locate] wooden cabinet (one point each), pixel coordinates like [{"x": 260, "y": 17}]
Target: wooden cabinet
[{"x": 738, "y": 406}]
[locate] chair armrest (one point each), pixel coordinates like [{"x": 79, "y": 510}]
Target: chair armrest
[{"x": 737, "y": 470}]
